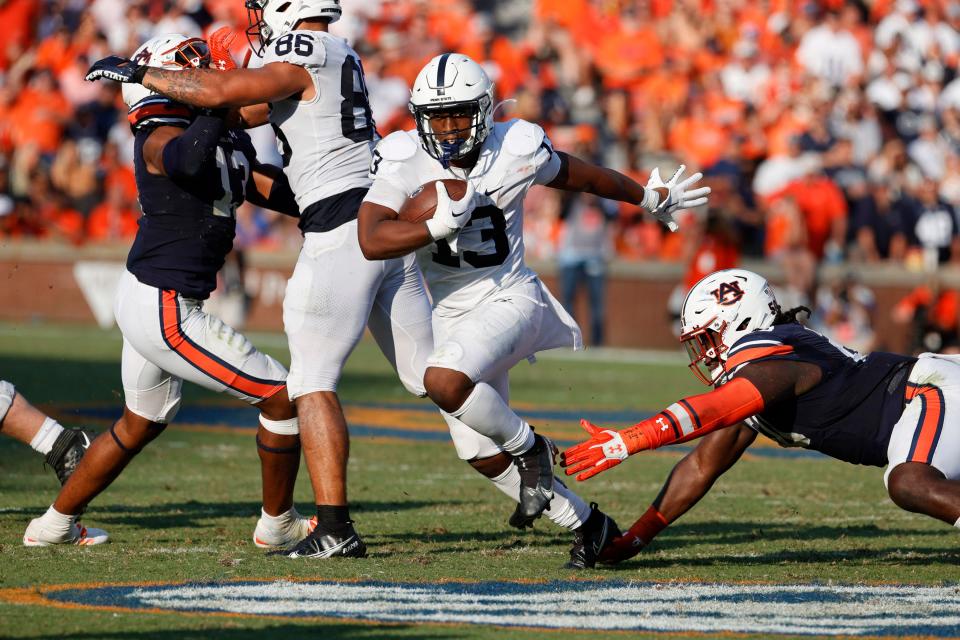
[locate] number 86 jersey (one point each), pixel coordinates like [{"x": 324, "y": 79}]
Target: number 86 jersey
[
  {"x": 489, "y": 254},
  {"x": 325, "y": 142}
]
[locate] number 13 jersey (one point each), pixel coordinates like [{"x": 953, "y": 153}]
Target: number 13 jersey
[
  {"x": 489, "y": 250},
  {"x": 325, "y": 142}
]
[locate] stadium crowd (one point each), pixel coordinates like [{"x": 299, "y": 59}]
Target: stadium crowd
[{"x": 828, "y": 130}]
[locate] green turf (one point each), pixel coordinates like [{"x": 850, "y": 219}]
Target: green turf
[{"x": 186, "y": 507}]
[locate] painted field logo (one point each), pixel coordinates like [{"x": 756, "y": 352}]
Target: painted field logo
[{"x": 642, "y": 606}]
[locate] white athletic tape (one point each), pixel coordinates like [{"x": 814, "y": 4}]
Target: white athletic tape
[
  {"x": 7, "y": 392},
  {"x": 289, "y": 427}
]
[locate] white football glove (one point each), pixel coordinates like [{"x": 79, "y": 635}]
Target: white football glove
[
  {"x": 680, "y": 196},
  {"x": 450, "y": 216}
]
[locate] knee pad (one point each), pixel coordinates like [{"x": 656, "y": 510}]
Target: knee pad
[
  {"x": 7, "y": 393},
  {"x": 290, "y": 427}
]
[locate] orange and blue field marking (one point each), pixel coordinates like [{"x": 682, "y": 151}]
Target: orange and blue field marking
[{"x": 689, "y": 608}]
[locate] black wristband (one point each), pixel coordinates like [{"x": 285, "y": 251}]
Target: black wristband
[{"x": 137, "y": 76}]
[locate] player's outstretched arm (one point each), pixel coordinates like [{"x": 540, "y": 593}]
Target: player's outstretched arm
[
  {"x": 689, "y": 418},
  {"x": 687, "y": 483},
  {"x": 209, "y": 87},
  {"x": 755, "y": 387},
  {"x": 270, "y": 189},
  {"x": 659, "y": 198}
]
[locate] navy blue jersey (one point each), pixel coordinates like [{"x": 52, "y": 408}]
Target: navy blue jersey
[
  {"x": 188, "y": 225},
  {"x": 849, "y": 415}
]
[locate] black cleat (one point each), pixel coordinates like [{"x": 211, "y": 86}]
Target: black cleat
[
  {"x": 323, "y": 544},
  {"x": 536, "y": 481},
  {"x": 590, "y": 539},
  {"x": 67, "y": 451}
]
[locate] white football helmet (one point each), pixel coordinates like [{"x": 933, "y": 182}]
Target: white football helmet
[
  {"x": 170, "y": 51},
  {"x": 719, "y": 310},
  {"x": 452, "y": 83},
  {"x": 270, "y": 19}
]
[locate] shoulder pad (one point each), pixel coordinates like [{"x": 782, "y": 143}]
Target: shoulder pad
[
  {"x": 523, "y": 138},
  {"x": 302, "y": 48},
  {"x": 397, "y": 146}
]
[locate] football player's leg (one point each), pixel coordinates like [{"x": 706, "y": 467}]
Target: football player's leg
[
  {"x": 62, "y": 448},
  {"x": 401, "y": 322},
  {"x": 152, "y": 398},
  {"x": 923, "y": 475},
  {"x": 192, "y": 345},
  {"x": 593, "y": 530},
  {"x": 325, "y": 310},
  {"x": 471, "y": 350}
]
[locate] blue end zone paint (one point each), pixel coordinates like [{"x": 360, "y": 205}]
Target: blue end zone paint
[
  {"x": 812, "y": 609},
  {"x": 244, "y": 417}
]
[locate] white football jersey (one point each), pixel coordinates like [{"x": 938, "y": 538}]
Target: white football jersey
[
  {"x": 326, "y": 142},
  {"x": 489, "y": 256}
]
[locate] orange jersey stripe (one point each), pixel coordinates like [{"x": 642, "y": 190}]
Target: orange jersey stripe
[
  {"x": 755, "y": 353},
  {"x": 930, "y": 423},
  {"x": 169, "y": 110},
  {"x": 203, "y": 361}
]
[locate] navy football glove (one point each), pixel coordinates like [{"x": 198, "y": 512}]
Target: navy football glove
[{"x": 117, "y": 69}]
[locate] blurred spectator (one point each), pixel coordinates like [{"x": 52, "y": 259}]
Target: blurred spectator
[
  {"x": 879, "y": 225},
  {"x": 114, "y": 219},
  {"x": 843, "y": 311},
  {"x": 584, "y": 248},
  {"x": 931, "y": 313},
  {"x": 932, "y": 226}
]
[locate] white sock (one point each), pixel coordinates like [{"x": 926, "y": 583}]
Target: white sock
[
  {"x": 43, "y": 441},
  {"x": 957, "y": 523},
  {"x": 281, "y": 520},
  {"x": 485, "y": 412},
  {"x": 56, "y": 522},
  {"x": 567, "y": 509}
]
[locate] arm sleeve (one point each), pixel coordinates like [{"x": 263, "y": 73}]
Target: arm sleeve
[
  {"x": 696, "y": 416},
  {"x": 186, "y": 155}
]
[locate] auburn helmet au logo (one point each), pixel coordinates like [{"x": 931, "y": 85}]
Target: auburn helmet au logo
[{"x": 728, "y": 293}]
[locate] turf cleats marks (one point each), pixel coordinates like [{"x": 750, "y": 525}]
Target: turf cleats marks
[
  {"x": 67, "y": 451},
  {"x": 37, "y": 535},
  {"x": 590, "y": 539},
  {"x": 536, "y": 481},
  {"x": 296, "y": 529},
  {"x": 322, "y": 544}
]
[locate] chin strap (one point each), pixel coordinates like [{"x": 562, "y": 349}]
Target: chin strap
[{"x": 503, "y": 103}]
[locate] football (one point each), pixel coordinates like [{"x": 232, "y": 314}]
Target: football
[{"x": 423, "y": 202}]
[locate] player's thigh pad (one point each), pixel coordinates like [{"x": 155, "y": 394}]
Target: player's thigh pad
[
  {"x": 173, "y": 333},
  {"x": 401, "y": 323},
  {"x": 489, "y": 339},
  {"x": 148, "y": 391},
  {"x": 326, "y": 307},
  {"x": 928, "y": 430}
]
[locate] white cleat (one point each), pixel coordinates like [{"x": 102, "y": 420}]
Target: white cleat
[
  {"x": 37, "y": 535},
  {"x": 267, "y": 536}
]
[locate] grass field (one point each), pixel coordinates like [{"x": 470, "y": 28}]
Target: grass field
[{"x": 185, "y": 509}]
